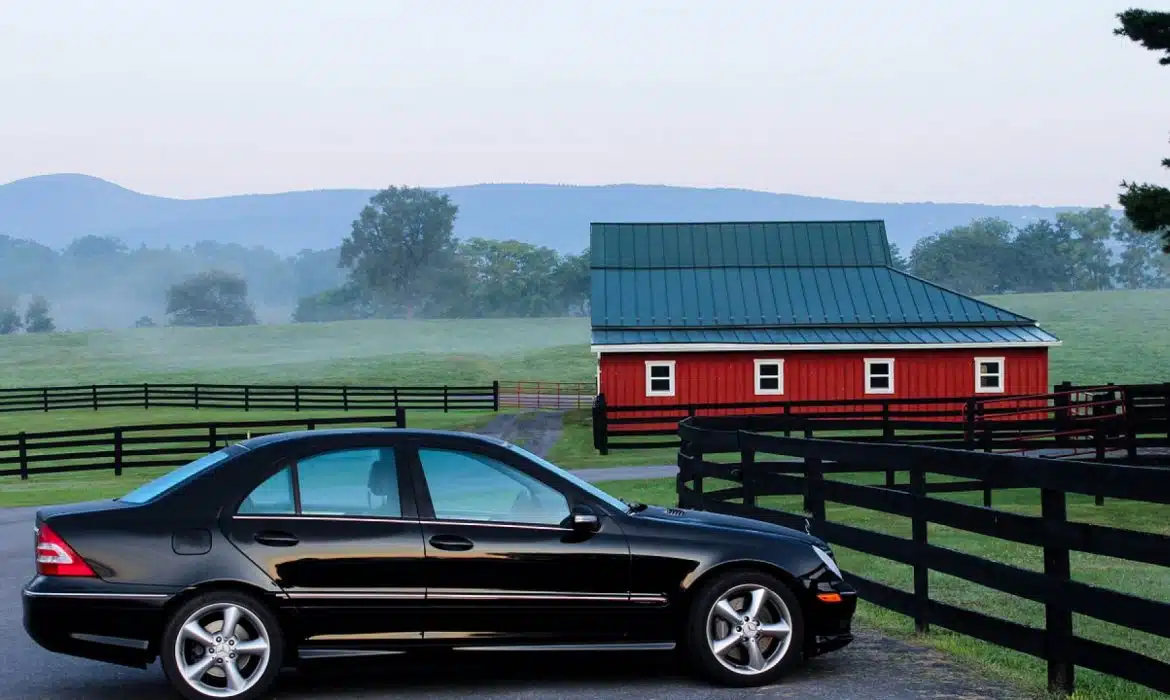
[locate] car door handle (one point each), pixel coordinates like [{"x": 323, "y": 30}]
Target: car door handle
[
  {"x": 451, "y": 543},
  {"x": 276, "y": 539}
]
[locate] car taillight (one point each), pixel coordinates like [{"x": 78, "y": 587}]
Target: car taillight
[{"x": 56, "y": 558}]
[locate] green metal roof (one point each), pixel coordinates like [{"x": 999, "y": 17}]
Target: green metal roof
[
  {"x": 743, "y": 244},
  {"x": 773, "y": 277}
]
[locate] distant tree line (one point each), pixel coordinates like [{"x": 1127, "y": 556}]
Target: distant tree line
[
  {"x": 1092, "y": 249},
  {"x": 402, "y": 260}
]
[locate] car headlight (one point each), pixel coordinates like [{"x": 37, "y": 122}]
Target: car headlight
[{"x": 828, "y": 559}]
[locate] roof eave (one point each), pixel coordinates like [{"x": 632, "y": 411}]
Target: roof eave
[{"x": 641, "y": 348}]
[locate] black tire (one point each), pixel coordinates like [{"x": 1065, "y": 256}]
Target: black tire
[
  {"x": 699, "y": 652},
  {"x": 256, "y": 611}
]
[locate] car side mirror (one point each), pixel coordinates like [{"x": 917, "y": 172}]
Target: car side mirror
[{"x": 585, "y": 520}]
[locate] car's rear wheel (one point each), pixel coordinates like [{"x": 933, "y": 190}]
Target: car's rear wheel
[
  {"x": 222, "y": 644},
  {"x": 745, "y": 628}
]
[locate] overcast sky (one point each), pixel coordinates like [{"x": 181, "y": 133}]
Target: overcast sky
[{"x": 994, "y": 101}]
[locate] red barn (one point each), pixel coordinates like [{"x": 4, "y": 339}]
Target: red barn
[{"x": 756, "y": 312}]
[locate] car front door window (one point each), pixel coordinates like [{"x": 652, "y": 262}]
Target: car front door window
[{"x": 467, "y": 486}]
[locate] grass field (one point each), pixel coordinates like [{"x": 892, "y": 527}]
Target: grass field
[
  {"x": 1115, "y": 335},
  {"x": 1139, "y": 579}
]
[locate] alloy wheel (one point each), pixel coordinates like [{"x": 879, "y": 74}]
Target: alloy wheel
[
  {"x": 222, "y": 650},
  {"x": 749, "y": 629}
]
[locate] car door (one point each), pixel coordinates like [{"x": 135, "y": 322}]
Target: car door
[
  {"x": 338, "y": 531},
  {"x": 502, "y": 559}
]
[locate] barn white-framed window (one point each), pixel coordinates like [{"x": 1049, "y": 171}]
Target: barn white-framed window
[
  {"x": 988, "y": 375},
  {"x": 879, "y": 375},
  {"x": 660, "y": 378},
  {"x": 769, "y": 377}
]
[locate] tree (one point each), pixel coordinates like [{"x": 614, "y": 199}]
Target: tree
[
  {"x": 1141, "y": 264},
  {"x": 1147, "y": 205},
  {"x": 403, "y": 234},
  {"x": 10, "y": 321},
  {"x": 897, "y": 260},
  {"x": 972, "y": 259},
  {"x": 212, "y": 298},
  {"x": 36, "y": 316}
]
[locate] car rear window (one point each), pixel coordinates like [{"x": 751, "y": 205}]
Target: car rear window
[{"x": 153, "y": 489}]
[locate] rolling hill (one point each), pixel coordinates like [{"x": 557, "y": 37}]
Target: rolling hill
[{"x": 55, "y": 209}]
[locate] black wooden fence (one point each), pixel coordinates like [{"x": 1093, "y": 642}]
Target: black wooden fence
[
  {"x": 274, "y": 397},
  {"x": 155, "y": 445},
  {"x": 1109, "y": 421},
  {"x": 807, "y": 467}
]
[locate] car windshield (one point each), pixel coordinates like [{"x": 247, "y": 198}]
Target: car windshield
[
  {"x": 168, "y": 481},
  {"x": 569, "y": 476}
]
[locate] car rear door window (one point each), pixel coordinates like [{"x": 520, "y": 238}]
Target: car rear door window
[
  {"x": 358, "y": 483},
  {"x": 468, "y": 486},
  {"x": 361, "y": 482}
]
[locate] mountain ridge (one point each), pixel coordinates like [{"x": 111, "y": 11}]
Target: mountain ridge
[{"x": 53, "y": 209}]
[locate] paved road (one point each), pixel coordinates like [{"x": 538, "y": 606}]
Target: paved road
[{"x": 873, "y": 667}]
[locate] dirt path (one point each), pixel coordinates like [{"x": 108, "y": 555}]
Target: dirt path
[{"x": 536, "y": 431}]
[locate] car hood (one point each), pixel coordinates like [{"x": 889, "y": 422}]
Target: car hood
[{"x": 700, "y": 518}]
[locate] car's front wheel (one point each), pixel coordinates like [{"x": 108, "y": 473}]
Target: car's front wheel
[
  {"x": 744, "y": 629},
  {"x": 222, "y": 645}
]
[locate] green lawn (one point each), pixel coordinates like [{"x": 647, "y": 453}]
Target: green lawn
[{"x": 1139, "y": 579}]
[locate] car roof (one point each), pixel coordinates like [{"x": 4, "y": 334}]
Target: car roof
[{"x": 295, "y": 436}]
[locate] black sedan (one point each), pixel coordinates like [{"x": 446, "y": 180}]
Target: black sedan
[{"x": 372, "y": 541}]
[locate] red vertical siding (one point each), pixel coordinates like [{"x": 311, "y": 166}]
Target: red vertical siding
[{"x": 728, "y": 377}]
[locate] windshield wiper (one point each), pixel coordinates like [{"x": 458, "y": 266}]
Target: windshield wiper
[{"x": 635, "y": 506}]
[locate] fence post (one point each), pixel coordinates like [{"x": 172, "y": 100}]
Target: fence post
[
  {"x": 400, "y": 417},
  {"x": 787, "y": 419},
  {"x": 1130, "y": 425},
  {"x": 195, "y": 387},
  {"x": 1061, "y": 404},
  {"x": 45, "y": 399},
  {"x": 117, "y": 452},
  {"x": 600, "y": 425},
  {"x": 887, "y": 436},
  {"x": 211, "y": 437},
  {"x": 697, "y": 476},
  {"x": 93, "y": 396},
  {"x": 395, "y": 397},
  {"x": 22, "y": 455},
  {"x": 747, "y": 471},
  {"x": 146, "y": 395},
  {"x": 1057, "y": 613},
  {"x": 446, "y": 408},
  {"x": 297, "y": 398},
  {"x": 921, "y": 565},
  {"x": 969, "y": 425},
  {"x": 310, "y": 425},
  {"x": 345, "y": 398},
  {"x": 496, "y": 396},
  {"x": 1099, "y": 436},
  {"x": 247, "y": 397},
  {"x": 814, "y": 495}
]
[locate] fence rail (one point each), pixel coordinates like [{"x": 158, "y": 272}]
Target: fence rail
[
  {"x": 1108, "y": 422},
  {"x": 274, "y": 397},
  {"x": 807, "y": 467},
  {"x": 153, "y": 445}
]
